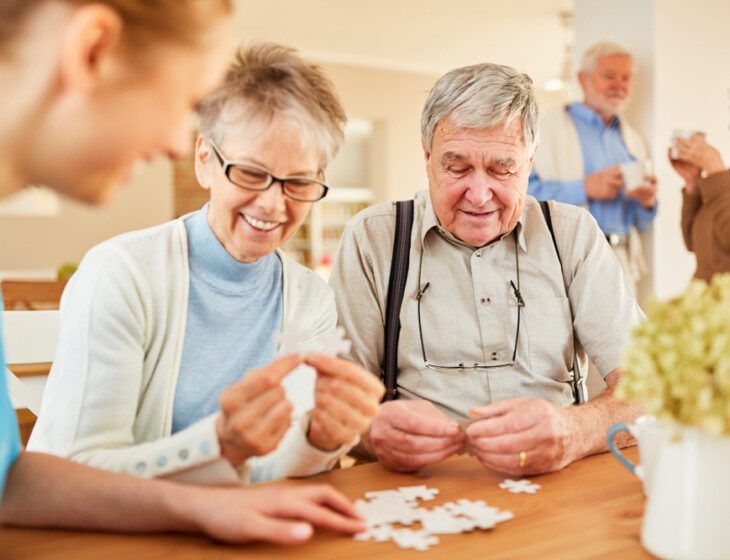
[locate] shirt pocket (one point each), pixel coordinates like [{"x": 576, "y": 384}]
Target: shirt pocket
[{"x": 549, "y": 330}]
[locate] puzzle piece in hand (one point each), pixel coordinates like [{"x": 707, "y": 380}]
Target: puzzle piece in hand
[
  {"x": 464, "y": 423},
  {"x": 293, "y": 339},
  {"x": 418, "y": 540},
  {"x": 520, "y": 486},
  {"x": 335, "y": 342}
]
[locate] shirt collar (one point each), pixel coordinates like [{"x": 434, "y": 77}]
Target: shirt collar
[
  {"x": 590, "y": 117},
  {"x": 431, "y": 223}
]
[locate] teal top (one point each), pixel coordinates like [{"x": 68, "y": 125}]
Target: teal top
[{"x": 9, "y": 434}]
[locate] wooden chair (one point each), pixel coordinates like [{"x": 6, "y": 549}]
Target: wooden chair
[
  {"x": 21, "y": 295},
  {"x": 30, "y": 345}
]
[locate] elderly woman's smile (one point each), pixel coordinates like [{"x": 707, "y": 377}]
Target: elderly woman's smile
[{"x": 260, "y": 225}]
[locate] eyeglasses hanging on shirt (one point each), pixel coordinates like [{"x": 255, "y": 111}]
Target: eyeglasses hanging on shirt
[{"x": 461, "y": 364}]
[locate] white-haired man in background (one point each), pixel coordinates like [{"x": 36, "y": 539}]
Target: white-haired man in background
[{"x": 581, "y": 149}]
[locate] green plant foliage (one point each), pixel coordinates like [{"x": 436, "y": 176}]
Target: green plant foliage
[{"x": 677, "y": 362}]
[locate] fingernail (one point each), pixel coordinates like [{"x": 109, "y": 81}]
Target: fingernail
[{"x": 301, "y": 531}]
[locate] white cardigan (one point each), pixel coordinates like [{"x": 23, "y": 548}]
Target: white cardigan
[
  {"x": 109, "y": 398},
  {"x": 560, "y": 157}
]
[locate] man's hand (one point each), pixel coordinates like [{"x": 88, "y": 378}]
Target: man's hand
[
  {"x": 347, "y": 398},
  {"x": 645, "y": 194},
  {"x": 604, "y": 184},
  {"x": 255, "y": 413},
  {"x": 409, "y": 435},
  {"x": 535, "y": 428},
  {"x": 279, "y": 514}
]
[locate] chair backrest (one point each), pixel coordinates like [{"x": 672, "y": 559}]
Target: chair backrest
[
  {"x": 30, "y": 345},
  {"x": 32, "y": 294}
]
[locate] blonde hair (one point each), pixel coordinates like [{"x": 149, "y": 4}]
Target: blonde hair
[
  {"x": 267, "y": 80},
  {"x": 146, "y": 21}
]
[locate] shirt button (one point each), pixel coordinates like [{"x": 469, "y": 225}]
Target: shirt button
[
  {"x": 485, "y": 301},
  {"x": 140, "y": 467},
  {"x": 161, "y": 461},
  {"x": 494, "y": 356},
  {"x": 478, "y": 253},
  {"x": 205, "y": 447},
  {"x": 183, "y": 454}
]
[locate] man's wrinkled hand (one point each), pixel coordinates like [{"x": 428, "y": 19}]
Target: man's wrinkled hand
[
  {"x": 409, "y": 435},
  {"x": 522, "y": 436}
]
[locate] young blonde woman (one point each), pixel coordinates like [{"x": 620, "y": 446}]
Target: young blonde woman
[{"x": 86, "y": 90}]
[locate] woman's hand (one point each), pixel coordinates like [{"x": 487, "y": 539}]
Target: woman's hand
[
  {"x": 278, "y": 514},
  {"x": 255, "y": 413},
  {"x": 347, "y": 398},
  {"x": 690, "y": 172},
  {"x": 694, "y": 156}
]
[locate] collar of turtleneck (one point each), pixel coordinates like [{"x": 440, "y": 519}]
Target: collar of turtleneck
[{"x": 214, "y": 265}]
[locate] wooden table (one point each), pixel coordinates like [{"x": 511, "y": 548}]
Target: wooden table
[{"x": 592, "y": 509}]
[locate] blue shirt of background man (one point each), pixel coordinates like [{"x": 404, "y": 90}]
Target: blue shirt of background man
[
  {"x": 234, "y": 310},
  {"x": 602, "y": 147},
  {"x": 9, "y": 435}
]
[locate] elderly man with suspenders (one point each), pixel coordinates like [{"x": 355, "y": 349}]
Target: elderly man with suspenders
[{"x": 474, "y": 301}]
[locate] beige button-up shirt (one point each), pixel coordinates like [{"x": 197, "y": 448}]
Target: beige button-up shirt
[{"x": 469, "y": 312}]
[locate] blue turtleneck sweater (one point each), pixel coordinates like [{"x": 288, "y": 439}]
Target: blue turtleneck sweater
[{"x": 234, "y": 309}]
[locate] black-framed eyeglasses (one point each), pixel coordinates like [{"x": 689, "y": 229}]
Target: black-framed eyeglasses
[
  {"x": 462, "y": 364},
  {"x": 253, "y": 177}
]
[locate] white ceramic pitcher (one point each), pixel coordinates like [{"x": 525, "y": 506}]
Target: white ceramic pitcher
[{"x": 687, "y": 515}]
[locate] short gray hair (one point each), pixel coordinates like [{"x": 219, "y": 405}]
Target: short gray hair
[
  {"x": 599, "y": 50},
  {"x": 482, "y": 96},
  {"x": 267, "y": 80}
]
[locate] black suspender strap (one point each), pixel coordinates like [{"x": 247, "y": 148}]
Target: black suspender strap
[
  {"x": 580, "y": 391},
  {"x": 396, "y": 289}
]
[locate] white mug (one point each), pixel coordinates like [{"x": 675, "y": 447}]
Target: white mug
[
  {"x": 681, "y": 133},
  {"x": 634, "y": 173},
  {"x": 649, "y": 432}
]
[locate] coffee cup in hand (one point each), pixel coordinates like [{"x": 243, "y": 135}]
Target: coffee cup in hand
[
  {"x": 634, "y": 173},
  {"x": 684, "y": 133}
]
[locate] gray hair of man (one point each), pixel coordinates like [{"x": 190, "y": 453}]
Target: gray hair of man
[
  {"x": 267, "y": 81},
  {"x": 481, "y": 97},
  {"x": 599, "y": 50}
]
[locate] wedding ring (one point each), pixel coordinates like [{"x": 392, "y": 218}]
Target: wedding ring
[{"x": 523, "y": 459}]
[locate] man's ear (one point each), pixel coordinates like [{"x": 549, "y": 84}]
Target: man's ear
[
  {"x": 92, "y": 37},
  {"x": 426, "y": 154},
  {"x": 583, "y": 79},
  {"x": 202, "y": 157},
  {"x": 532, "y": 157}
]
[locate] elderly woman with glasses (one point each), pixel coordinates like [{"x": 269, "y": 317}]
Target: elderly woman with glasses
[{"x": 166, "y": 360}]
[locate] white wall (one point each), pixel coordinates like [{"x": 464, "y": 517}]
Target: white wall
[
  {"x": 683, "y": 63},
  {"x": 692, "y": 82}
]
